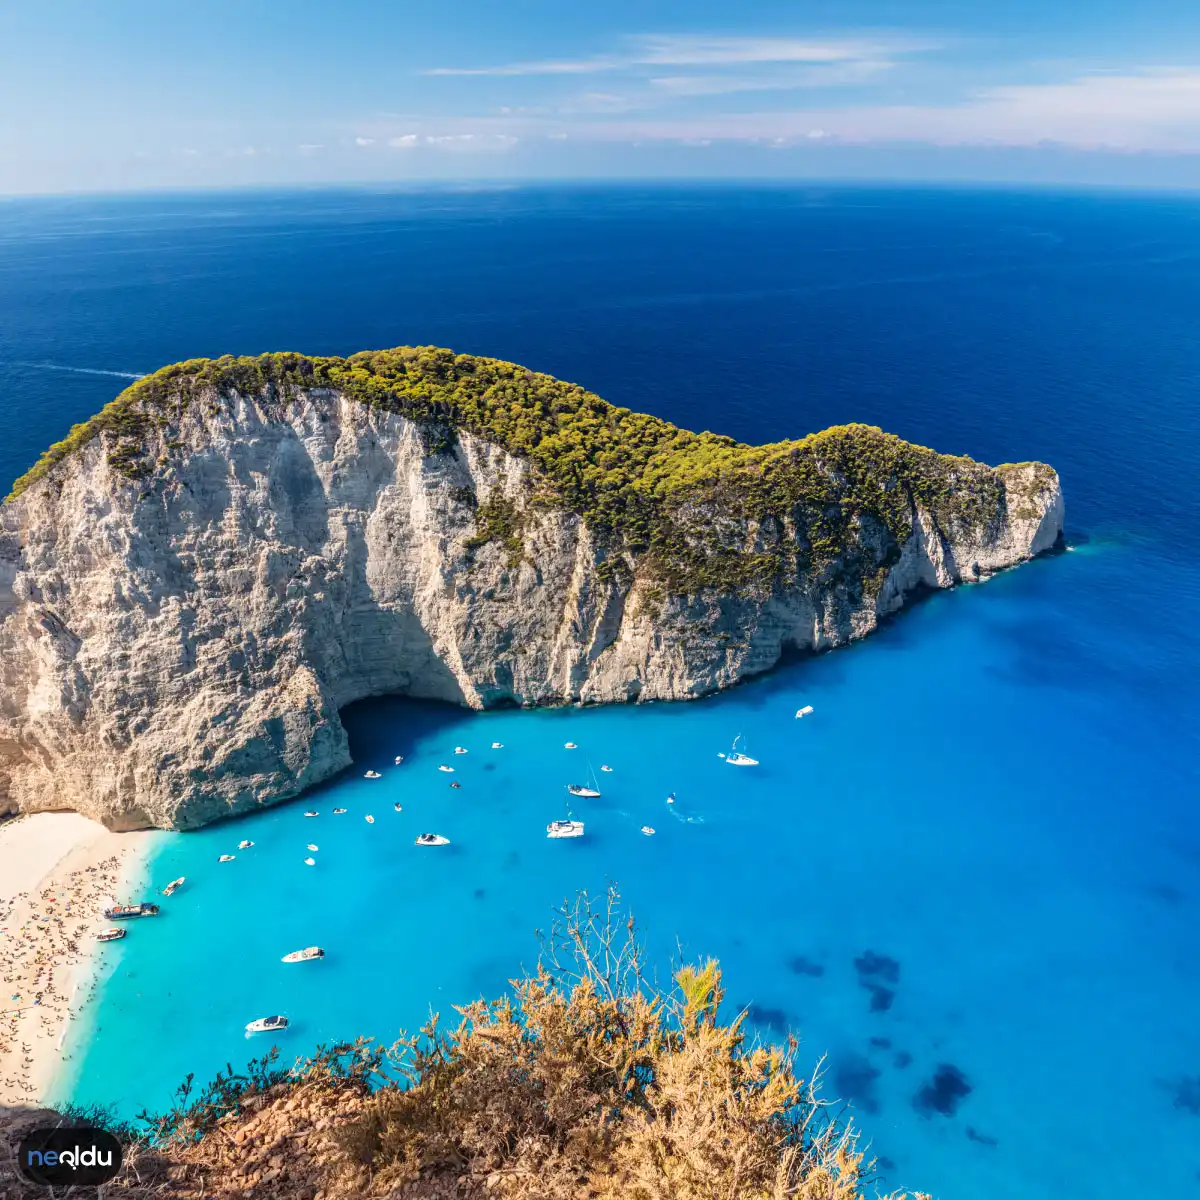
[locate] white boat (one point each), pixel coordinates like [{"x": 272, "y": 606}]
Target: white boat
[
  {"x": 245, "y": 845},
  {"x": 306, "y": 955},
  {"x": 448, "y": 770},
  {"x": 227, "y": 858},
  {"x": 312, "y": 846},
  {"x": 588, "y": 791},
  {"x": 370, "y": 819},
  {"x": 606, "y": 767},
  {"x": 570, "y": 746},
  {"x": 497, "y": 745},
  {"x": 803, "y": 712},
  {"x": 337, "y": 812},
  {"x": 173, "y": 886},
  {"x": 671, "y": 798},
  {"x": 648, "y": 830},
  {"x": 312, "y": 813},
  {"x": 125, "y": 912},
  {"x": 564, "y": 829},
  {"x": 110, "y": 935},
  {"x": 399, "y": 759},
  {"x": 372, "y": 775},
  {"x": 267, "y": 1025},
  {"x": 735, "y": 758},
  {"x": 310, "y": 862},
  {"x": 431, "y": 839},
  {"x": 398, "y": 807},
  {"x": 460, "y": 749}
]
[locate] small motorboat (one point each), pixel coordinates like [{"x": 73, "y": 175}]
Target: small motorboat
[
  {"x": 310, "y": 862},
  {"x": 110, "y": 935},
  {"x": 735, "y": 758},
  {"x": 125, "y": 912},
  {"x": 431, "y": 839},
  {"x": 306, "y": 955},
  {"x": 173, "y": 886},
  {"x": 671, "y": 798},
  {"x": 460, "y": 750},
  {"x": 456, "y": 784},
  {"x": 570, "y": 746},
  {"x": 370, "y": 819},
  {"x": 605, "y": 767},
  {"x": 372, "y": 775},
  {"x": 448, "y": 770},
  {"x": 245, "y": 845},
  {"x": 313, "y": 847},
  {"x": 803, "y": 712},
  {"x": 577, "y": 789},
  {"x": 227, "y": 858},
  {"x": 648, "y": 830},
  {"x": 267, "y": 1025},
  {"x": 564, "y": 829},
  {"x": 312, "y": 813},
  {"x": 398, "y": 759},
  {"x": 337, "y": 812},
  {"x": 497, "y": 745},
  {"x": 398, "y": 807}
]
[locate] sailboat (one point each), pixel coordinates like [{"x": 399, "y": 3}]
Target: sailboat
[
  {"x": 588, "y": 793},
  {"x": 735, "y": 757},
  {"x": 564, "y": 829}
]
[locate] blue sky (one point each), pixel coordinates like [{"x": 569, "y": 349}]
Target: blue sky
[{"x": 159, "y": 93}]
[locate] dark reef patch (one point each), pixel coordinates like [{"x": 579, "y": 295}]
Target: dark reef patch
[
  {"x": 854, "y": 1079},
  {"x": 943, "y": 1093},
  {"x": 983, "y": 1139},
  {"x": 799, "y": 965},
  {"x": 877, "y": 968},
  {"x": 884, "y": 1163},
  {"x": 881, "y": 1043},
  {"x": 881, "y": 997},
  {"x": 903, "y": 1059},
  {"x": 771, "y": 1018},
  {"x": 1166, "y": 892},
  {"x": 480, "y": 893},
  {"x": 1185, "y": 1093}
]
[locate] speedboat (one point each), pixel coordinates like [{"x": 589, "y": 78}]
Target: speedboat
[
  {"x": 648, "y": 830},
  {"x": 606, "y": 768},
  {"x": 370, "y": 819},
  {"x": 227, "y": 858},
  {"x": 310, "y": 862},
  {"x": 398, "y": 807},
  {"x": 456, "y": 784},
  {"x": 245, "y": 845},
  {"x": 497, "y": 745},
  {"x": 267, "y": 1025},
  {"x": 306, "y": 955},
  {"x": 431, "y": 839},
  {"x": 123, "y": 912},
  {"x": 735, "y": 758},
  {"x": 803, "y": 712},
  {"x": 312, "y": 813},
  {"x": 671, "y": 798},
  {"x": 570, "y": 746},
  {"x": 445, "y": 768},
  {"x": 312, "y": 846},
  {"x": 564, "y": 829},
  {"x": 337, "y": 812},
  {"x": 577, "y": 789},
  {"x": 460, "y": 749},
  {"x": 173, "y": 886},
  {"x": 110, "y": 935},
  {"x": 372, "y": 775}
]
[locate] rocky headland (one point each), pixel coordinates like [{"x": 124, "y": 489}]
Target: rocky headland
[{"x": 197, "y": 580}]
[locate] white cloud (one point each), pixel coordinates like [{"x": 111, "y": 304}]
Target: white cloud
[
  {"x": 405, "y": 141},
  {"x": 846, "y": 74},
  {"x": 310, "y": 147},
  {"x": 364, "y": 141}
]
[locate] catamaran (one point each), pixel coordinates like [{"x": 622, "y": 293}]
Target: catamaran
[
  {"x": 173, "y": 886},
  {"x": 431, "y": 839},
  {"x": 110, "y": 935},
  {"x": 306, "y": 955},
  {"x": 267, "y": 1025},
  {"x": 564, "y": 829},
  {"x": 123, "y": 912},
  {"x": 735, "y": 758}
]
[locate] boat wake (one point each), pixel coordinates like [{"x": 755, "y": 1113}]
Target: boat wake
[{"x": 49, "y": 366}]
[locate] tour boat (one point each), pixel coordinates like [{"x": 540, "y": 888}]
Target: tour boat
[
  {"x": 122, "y": 912},
  {"x": 110, "y": 935},
  {"x": 227, "y": 858},
  {"x": 372, "y": 775},
  {"x": 443, "y": 767},
  {"x": 803, "y": 712},
  {"x": 564, "y": 829},
  {"x": 398, "y": 807},
  {"x": 267, "y": 1024},
  {"x": 310, "y": 862},
  {"x": 173, "y": 886},
  {"x": 648, "y": 830},
  {"x": 312, "y": 846},
  {"x": 245, "y": 845},
  {"x": 432, "y": 839},
  {"x": 497, "y": 745},
  {"x": 370, "y": 819},
  {"x": 306, "y": 955},
  {"x": 460, "y": 749},
  {"x": 735, "y": 758},
  {"x": 312, "y": 813},
  {"x": 577, "y": 789},
  {"x": 337, "y": 812},
  {"x": 570, "y": 746},
  {"x": 606, "y": 768}
]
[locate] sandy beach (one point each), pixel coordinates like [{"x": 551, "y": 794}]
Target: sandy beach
[{"x": 57, "y": 872}]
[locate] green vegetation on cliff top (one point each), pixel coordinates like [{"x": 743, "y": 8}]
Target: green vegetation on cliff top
[{"x": 665, "y": 494}]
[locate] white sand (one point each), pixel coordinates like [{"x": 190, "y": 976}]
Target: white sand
[{"x": 57, "y": 871}]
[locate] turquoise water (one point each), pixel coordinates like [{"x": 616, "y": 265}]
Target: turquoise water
[{"x": 993, "y": 808}]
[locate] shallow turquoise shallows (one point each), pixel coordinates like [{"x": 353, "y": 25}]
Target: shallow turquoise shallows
[{"x": 971, "y": 876}]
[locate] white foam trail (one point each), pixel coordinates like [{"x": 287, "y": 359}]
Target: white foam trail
[{"x": 49, "y": 366}]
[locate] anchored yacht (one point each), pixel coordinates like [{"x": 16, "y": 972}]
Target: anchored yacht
[
  {"x": 735, "y": 757},
  {"x": 564, "y": 829},
  {"x": 267, "y": 1024},
  {"x": 307, "y": 955},
  {"x": 431, "y": 839},
  {"x": 173, "y": 886}
]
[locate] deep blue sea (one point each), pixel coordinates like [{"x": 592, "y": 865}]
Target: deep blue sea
[{"x": 999, "y": 791}]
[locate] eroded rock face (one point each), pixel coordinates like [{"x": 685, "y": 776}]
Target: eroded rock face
[{"x": 174, "y": 650}]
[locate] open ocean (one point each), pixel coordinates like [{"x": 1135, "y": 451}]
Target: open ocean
[{"x": 999, "y": 792}]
